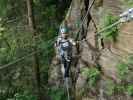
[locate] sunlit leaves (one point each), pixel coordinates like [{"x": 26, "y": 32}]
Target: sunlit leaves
[
  {"x": 24, "y": 96},
  {"x": 92, "y": 75}
]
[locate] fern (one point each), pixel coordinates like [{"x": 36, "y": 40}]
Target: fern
[
  {"x": 110, "y": 87},
  {"x": 92, "y": 75},
  {"x": 57, "y": 94},
  {"x": 130, "y": 90},
  {"x": 122, "y": 70},
  {"x": 112, "y": 33}
]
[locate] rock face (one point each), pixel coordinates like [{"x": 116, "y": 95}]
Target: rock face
[{"x": 108, "y": 58}]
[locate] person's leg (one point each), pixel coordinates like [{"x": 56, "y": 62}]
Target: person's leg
[
  {"x": 62, "y": 69},
  {"x": 67, "y": 68},
  {"x": 63, "y": 66}
]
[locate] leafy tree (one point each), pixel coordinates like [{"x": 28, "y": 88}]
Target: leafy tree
[{"x": 17, "y": 41}]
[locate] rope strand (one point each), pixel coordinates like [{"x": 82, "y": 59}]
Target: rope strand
[
  {"x": 24, "y": 57},
  {"x": 80, "y": 28}
]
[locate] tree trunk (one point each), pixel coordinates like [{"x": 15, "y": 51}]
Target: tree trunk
[{"x": 35, "y": 56}]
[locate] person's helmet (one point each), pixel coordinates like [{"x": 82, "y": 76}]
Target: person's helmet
[{"x": 64, "y": 30}]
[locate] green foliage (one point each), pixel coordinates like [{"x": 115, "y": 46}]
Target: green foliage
[
  {"x": 98, "y": 3},
  {"x": 130, "y": 90},
  {"x": 8, "y": 92},
  {"x": 57, "y": 94},
  {"x": 92, "y": 75},
  {"x": 130, "y": 60},
  {"x": 112, "y": 33},
  {"x": 25, "y": 96},
  {"x": 110, "y": 87},
  {"x": 124, "y": 67},
  {"x": 119, "y": 88},
  {"x": 122, "y": 70},
  {"x": 16, "y": 41},
  {"x": 128, "y": 3},
  {"x": 3, "y": 7},
  {"x": 4, "y": 46}
]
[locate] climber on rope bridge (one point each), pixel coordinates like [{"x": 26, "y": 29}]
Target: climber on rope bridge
[{"x": 64, "y": 46}]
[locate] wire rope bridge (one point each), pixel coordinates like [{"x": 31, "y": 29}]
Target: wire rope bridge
[{"x": 124, "y": 17}]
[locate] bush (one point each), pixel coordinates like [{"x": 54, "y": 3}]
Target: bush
[
  {"x": 57, "y": 94},
  {"x": 110, "y": 87},
  {"x": 129, "y": 3},
  {"x": 112, "y": 33},
  {"x": 92, "y": 75},
  {"x": 130, "y": 90},
  {"x": 130, "y": 60},
  {"x": 119, "y": 88},
  {"x": 25, "y": 96},
  {"x": 122, "y": 70}
]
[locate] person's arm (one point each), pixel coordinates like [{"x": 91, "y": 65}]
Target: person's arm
[
  {"x": 72, "y": 41},
  {"x": 57, "y": 47},
  {"x": 57, "y": 42}
]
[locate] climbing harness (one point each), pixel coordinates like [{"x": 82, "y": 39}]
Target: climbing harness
[{"x": 65, "y": 49}]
